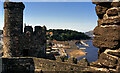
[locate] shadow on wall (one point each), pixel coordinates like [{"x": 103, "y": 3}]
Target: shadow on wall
[
  {"x": 16, "y": 65},
  {"x": 0, "y": 65},
  {"x": 38, "y": 65}
]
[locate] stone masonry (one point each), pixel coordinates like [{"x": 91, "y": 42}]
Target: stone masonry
[
  {"x": 34, "y": 42},
  {"x": 22, "y": 49},
  {"x": 107, "y": 34},
  {"x": 16, "y": 42},
  {"x": 12, "y": 29}
]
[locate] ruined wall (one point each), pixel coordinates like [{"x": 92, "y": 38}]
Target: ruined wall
[
  {"x": 31, "y": 65},
  {"x": 35, "y": 42},
  {"x": 40, "y": 41},
  {"x": 107, "y": 34},
  {"x": 17, "y": 43},
  {"x": 13, "y": 28}
]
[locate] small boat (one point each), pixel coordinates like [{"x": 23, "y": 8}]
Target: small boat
[
  {"x": 85, "y": 44},
  {"x": 47, "y": 52},
  {"x": 82, "y": 48}
]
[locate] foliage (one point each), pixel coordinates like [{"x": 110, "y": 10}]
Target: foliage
[
  {"x": 66, "y": 35},
  {"x": 1, "y": 32}
]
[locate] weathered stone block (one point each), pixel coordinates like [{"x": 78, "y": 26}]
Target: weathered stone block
[
  {"x": 111, "y": 17},
  {"x": 96, "y": 64},
  {"x": 115, "y": 4},
  {"x": 118, "y": 66},
  {"x": 115, "y": 21},
  {"x": 112, "y": 12},
  {"x": 106, "y": 34},
  {"x": 100, "y": 11},
  {"x": 107, "y": 31},
  {"x": 103, "y": 44},
  {"x": 114, "y": 53},
  {"x": 108, "y": 60},
  {"x": 108, "y": 37},
  {"x": 102, "y": 2}
]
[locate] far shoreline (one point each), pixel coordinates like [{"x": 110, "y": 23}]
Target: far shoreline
[{"x": 73, "y": 51}]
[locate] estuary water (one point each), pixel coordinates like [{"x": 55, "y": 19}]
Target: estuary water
[{"x": 92, "y": 52}]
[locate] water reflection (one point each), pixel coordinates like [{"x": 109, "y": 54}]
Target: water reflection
[{"x": 92, "y": 52}]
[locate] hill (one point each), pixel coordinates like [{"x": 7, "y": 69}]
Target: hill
[
  {"x": 89, "y": 33},
  {"x": 66, "y": 35}
]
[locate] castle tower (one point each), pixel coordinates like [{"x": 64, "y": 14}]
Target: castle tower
[
  {"x": 13, "y": 28},
  {"x": 38, "y": 30}
]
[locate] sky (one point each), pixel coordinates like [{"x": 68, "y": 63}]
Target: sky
[{"x": 79, "y": 16}]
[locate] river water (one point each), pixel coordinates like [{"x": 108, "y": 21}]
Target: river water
[{"x": 92, "y": 52}]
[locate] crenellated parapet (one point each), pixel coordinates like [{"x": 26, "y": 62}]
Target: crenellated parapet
[
  {"x": 35, "y": 41},
  {"x": 16, "y": 42}
]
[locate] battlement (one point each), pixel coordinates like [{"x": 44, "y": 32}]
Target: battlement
[
  {"x": 16, "y": 42},
  {"x": 14, "y": 5},
  {"x": 28, "y": 28},
  {"x": 38, "y": 30}
]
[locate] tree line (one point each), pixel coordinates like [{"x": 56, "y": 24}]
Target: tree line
[
  {"x": 1, "y": 32},
  {"x": 66, "y": 35}
]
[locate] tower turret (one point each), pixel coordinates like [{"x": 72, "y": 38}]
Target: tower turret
[
  {"x": 38, "y": 30},
  {"x": 28, "y": 28},
  {"x": 13, "y": 28}
]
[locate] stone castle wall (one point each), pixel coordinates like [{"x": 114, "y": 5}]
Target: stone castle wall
[
  {"x": 32, "y": 65},
  {"x": 35, "y": 42},
  {"x": 32, "y": 43},
  {"x": 16, "y": 42},
  {"x": 107, "y": 34},
  {"x": 12, "y": 29}
]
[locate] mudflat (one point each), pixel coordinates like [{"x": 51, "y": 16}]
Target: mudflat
[{"x": 75, "y": 53}]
